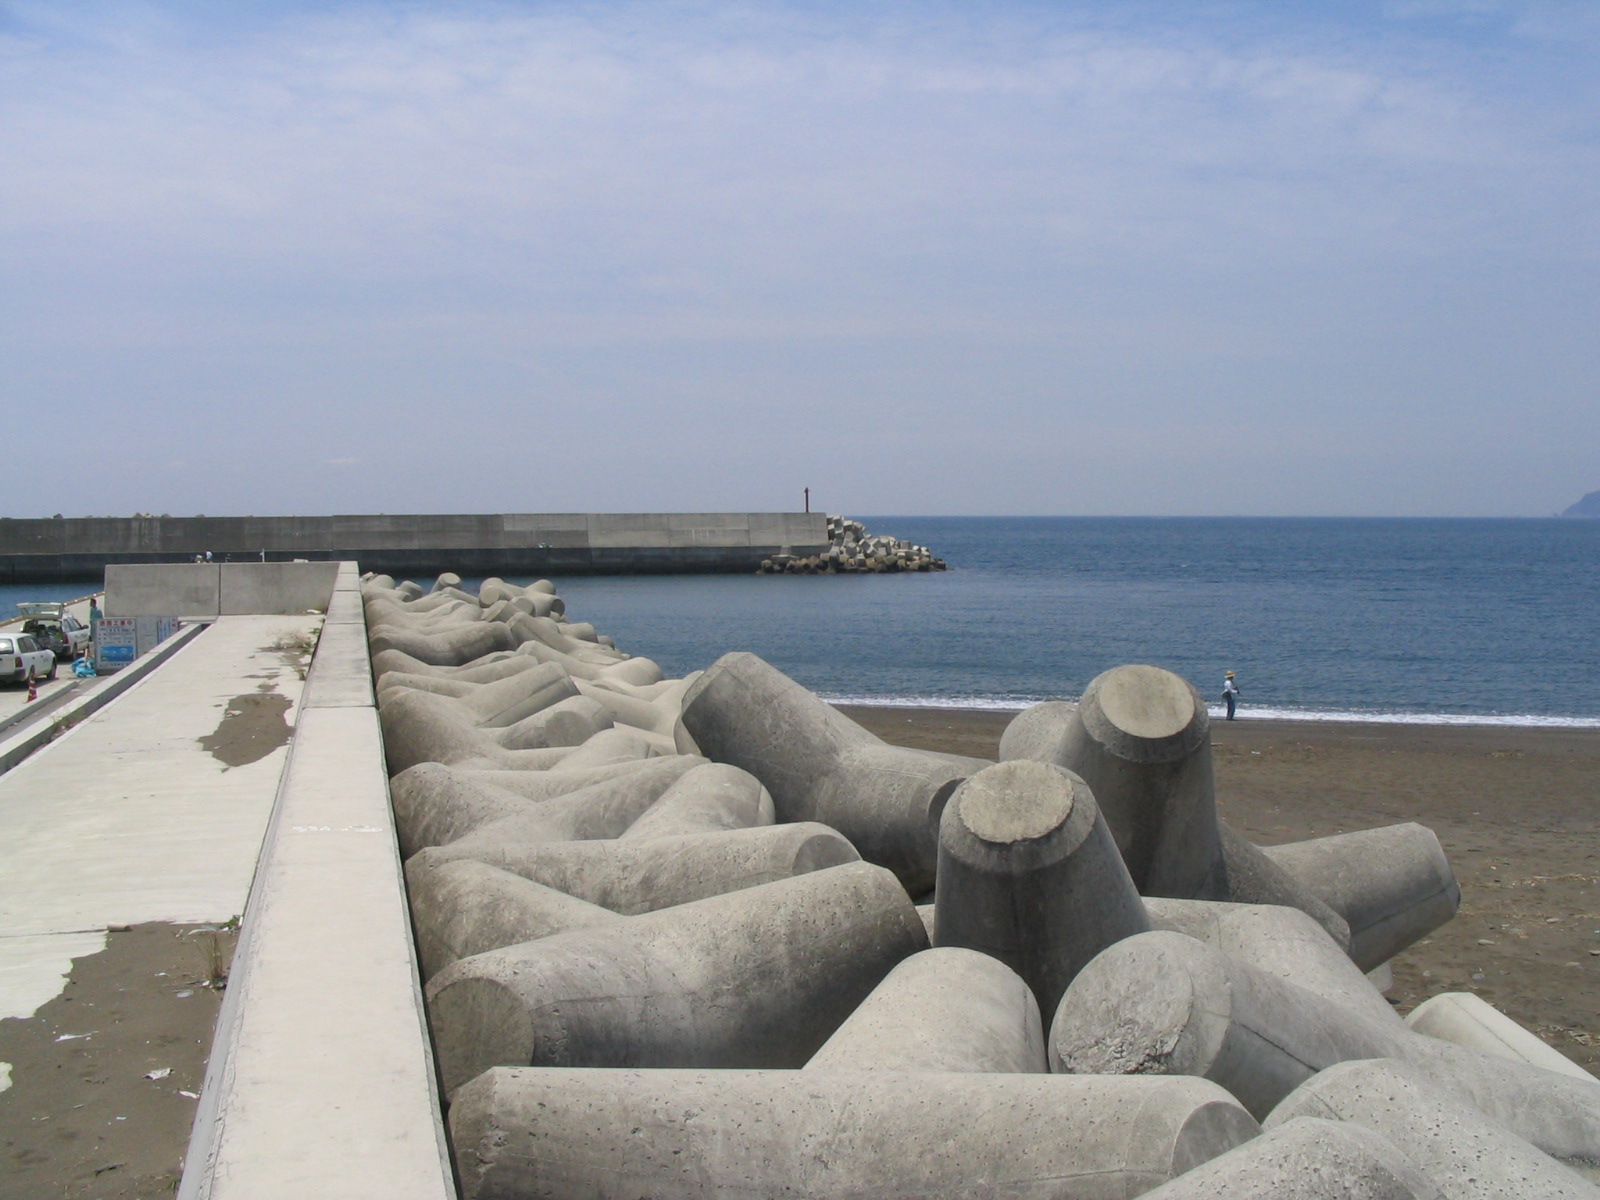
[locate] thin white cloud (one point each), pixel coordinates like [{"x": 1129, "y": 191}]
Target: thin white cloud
[{"x": 350, "y": 212}]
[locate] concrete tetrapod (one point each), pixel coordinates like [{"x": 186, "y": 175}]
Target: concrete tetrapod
[
  {"x": 1038, "y": 733},
  {"x": 946, "y": 1009},
  {"x": 1029, "y": 874},
  {"x": 422, "y": 727},
  {"x": 463, "y": 908},
  {"x": 1163, "y": 1003},
  {"x": 573, "y": 640},
  {"x": 1280, "y": 941},
  {"x": 708, "y": 798},
  {"x": 821, "y": 766},
  {"x": 1306, "y": 1159},
  {"x": 1471, "y": 1021},
  {"x": 451, "y": 646},
  {"x": 1468, "y": 1156},
  {"x": 483, "y": 670},
  {"x": 640, "y": 672},
  {"x": 606, "y": 748},
  {"x": 645, "y": 874},
  {"x": 656, "y": 717},
  {"x": 819, "y": 1135},
  {"x": 495, "y": 705},
  {"x": 1141, "y": 739},
  {"x": 1392, "y": 885},
  {"x": 436, "y": 805},
  {"x": 759, "y": 978}
]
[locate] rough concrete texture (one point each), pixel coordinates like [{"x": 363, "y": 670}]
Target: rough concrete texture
[
  {"x": 637, "y": 671},
  {"x": 706, "y": 799},
  {"x": 1141, "y": 739},
  {"x": 423, "y": 727},
  {"x": 645, "y": 874},
  {"x": 760, "y": 978},
  {"x": 532, "y": 847},
  {"x": 815, "y": 1135},
  {"x": 946, "y": 1009},
  {"x": 1039, "y": 733},
  {"x": 821, "y": 766},
  {"x": 484, "y": 670},
  {"x": 1392, "y": 885},
  {"x": 1306, "y": 1158},
  {"x": 446, "y": 646},
  {"x": 607, "y": 748},
  {"x": 1280, "y": 941},
  {"x": 463, "y": 908},
  {"x": 1029, "y": 874},
  {"x": 1164, "y": 1003},
  {"x": 655, "y": 716},
  {"x": 1468, "y": 1156},
  {"x": 1254, "y": 878},
  {"x": 1471, "y": 1021},
  {"x": 436, "y": 805},
  {"x": 507, "y": 701}
]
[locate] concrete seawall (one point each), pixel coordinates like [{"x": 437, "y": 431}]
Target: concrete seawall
[{"x": 469, "y": 544}]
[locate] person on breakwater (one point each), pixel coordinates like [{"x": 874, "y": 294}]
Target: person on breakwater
[{"x": 1230, "y": 693}]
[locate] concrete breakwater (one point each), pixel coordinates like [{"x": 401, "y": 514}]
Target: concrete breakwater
[
  {"x": 852, "y": 549},
  {"x": 33, "y": 549},
  {"x": 708, "y": 937}
]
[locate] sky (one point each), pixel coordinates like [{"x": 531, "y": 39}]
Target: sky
[{"x": 940, "y": 258}]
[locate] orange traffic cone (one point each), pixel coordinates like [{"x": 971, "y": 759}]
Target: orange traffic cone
[{"x": 33, "y": 689}]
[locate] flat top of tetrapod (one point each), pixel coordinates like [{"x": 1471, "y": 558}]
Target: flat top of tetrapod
[
  {"x": 1145, "y": 701},
  {"x": 1015, "y": 801}
]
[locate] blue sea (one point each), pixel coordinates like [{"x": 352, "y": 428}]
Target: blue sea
[{"x": 1434, "y": 621}]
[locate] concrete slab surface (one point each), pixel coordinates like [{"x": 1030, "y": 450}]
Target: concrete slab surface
[{"x": 128, "y": 817}]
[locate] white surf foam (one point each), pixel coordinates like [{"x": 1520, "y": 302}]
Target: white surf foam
[{"x": 1245, "y": 713}]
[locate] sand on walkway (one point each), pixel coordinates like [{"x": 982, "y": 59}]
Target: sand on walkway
[{"x": 1516, "y": 809}]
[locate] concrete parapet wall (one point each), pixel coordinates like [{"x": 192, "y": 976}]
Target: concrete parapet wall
[
  {"x": 495, "y": 543},
  {"x": 202, "y": 590},
  {"x": 321, "y": 1078}
]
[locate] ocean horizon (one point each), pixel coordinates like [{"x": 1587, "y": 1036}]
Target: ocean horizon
[{"x": 1443, "y": 621}]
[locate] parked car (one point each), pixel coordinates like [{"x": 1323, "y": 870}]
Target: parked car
[
  {"x": 22, "y": 658},
  {"x": 53, "y": 626}
]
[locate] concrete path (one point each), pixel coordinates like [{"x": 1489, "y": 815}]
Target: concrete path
[
  {"x": 185, "y": 802},
  {"x": 130, "y": 818}
]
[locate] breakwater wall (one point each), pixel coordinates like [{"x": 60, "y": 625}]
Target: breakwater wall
[
  {"x": 672, "y": 945},
  {"x": 469, "y": 544}
]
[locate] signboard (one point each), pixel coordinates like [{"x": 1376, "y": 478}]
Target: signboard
[
  {"x": 116, "y": 642},
  {"x": 155, "y": 630}
]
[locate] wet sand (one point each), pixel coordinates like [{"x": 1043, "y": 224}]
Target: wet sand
[{"x": 1516, "y": 810}]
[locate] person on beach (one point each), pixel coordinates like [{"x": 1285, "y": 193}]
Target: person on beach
[{"x": 1230, "y": 693}]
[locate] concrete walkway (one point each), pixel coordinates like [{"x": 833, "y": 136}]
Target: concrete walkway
[
  {"x": 129, "y": 818},
  {"x": 186, "y": 802}
]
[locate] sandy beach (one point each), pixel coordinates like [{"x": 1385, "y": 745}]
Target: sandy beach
[{"x": 1515, "y": 809}]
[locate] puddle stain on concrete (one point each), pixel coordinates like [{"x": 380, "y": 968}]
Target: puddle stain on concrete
[{"x": 251, "y": 728}]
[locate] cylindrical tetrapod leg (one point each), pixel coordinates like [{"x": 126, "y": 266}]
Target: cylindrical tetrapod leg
[{"x": 1029, "y": 873}]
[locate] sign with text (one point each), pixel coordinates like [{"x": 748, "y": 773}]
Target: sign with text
[{"x": 116, "y": 642}]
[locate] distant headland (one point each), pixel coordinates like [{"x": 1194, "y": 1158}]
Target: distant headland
[{"x": 1589, "y": 506}]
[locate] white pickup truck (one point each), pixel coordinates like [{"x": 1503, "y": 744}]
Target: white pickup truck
[
  {"x": 22, "y": 658},
  {"x": 51, "y": 625}
]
